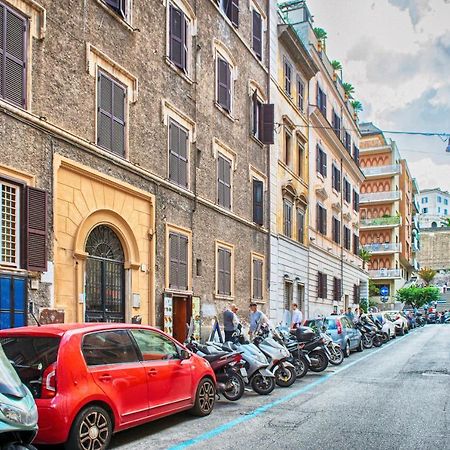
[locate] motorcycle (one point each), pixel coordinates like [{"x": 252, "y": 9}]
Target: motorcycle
[
  {"x": 228, "y": 368},
  {"x": 18, "y": 412},
  {"x": 336, "y": 352},
  {"x": 312, "y": 343}
]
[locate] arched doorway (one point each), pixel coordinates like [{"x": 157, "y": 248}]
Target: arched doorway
[{"x": 105, "y": 277}]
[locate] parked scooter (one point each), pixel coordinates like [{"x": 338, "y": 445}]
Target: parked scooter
[
  {"x": 18, "y": 412},
  {"x": 314, "y": 345},
  {"x": 375, "y": 327},
  {"x": 336, "y": 352}
]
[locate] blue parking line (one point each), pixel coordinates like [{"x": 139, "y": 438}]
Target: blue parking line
[{"x": 262, "y": 409}]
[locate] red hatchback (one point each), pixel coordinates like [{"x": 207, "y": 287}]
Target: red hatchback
[{"x": 91, "y": 380}]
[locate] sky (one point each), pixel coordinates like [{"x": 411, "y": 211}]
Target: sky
[{"x": 396, "y": 53}]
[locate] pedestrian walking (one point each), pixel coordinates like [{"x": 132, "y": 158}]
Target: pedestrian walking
[
  {"x": 350, "y": 314},
  {"x": 256, "y": 317},
  {"x": 230, "y": 322},
  {"x": 297, "y": 317}
]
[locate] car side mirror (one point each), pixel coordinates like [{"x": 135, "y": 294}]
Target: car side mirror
[{"x": 184, "y": 354}]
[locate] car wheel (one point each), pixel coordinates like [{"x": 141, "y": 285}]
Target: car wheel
[
  {"x": 360, "y": 346},
  {"x": 347, "y": 349},
  {"x": 92, "y": 428},
  {"x": 402, "y": 332},
  {"x": 205, "y": 398}
]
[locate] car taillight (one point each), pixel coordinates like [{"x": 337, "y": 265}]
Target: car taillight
[
  {"x": 339, "y": 327},
  {"x": 48, "y": 389}
]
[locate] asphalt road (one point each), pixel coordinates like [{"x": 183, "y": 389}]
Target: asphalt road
[{"x": 397, "y": 397}]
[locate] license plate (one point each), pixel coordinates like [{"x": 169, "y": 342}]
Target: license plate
[{"x": 243, "y": 372}]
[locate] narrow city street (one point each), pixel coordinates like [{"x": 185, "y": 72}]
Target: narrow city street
[{"x": 397, "y": 396}]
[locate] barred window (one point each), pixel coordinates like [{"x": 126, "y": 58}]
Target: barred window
[{"x": 9, "y": 218}]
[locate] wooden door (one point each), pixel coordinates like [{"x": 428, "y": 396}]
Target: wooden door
[{"x": 182, "y": 313}]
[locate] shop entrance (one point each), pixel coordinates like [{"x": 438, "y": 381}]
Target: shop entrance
[{"x": 182, "y": 314}]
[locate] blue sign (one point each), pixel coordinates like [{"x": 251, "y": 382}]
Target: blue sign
[{"x": 384, "y": 291}]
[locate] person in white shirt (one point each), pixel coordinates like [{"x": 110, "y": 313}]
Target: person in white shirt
[{"x": 297, "y": 316}]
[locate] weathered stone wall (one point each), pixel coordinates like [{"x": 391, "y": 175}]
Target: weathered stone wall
[{"x": 434, "y": 248}]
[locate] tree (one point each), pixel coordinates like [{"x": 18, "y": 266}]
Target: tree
[
  {"x": 357, "y": 106},
  {"x": 417, "y": 296},
  {"x": 336, "y": 65},
  {"x": 348, "y": 89},
  {"x": 365, "y": 255},
  {"x": 427, "y": 274},
  {"x": 446, "y": 222},
  {"x": 374, "y": 290}
]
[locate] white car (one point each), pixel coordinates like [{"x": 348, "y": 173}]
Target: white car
[
  {"x": 399, "y": 321},
  {"x": 388, "y": 327}
]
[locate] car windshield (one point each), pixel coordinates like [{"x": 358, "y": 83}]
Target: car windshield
[
  {"x": 331, "y": 324},
  {"x": 30, "y": 356},
  {"x": 10, "y": 383},
  {"x": 315, "y": 324}
]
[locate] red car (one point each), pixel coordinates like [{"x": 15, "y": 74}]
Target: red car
[{"x": 91, "y": 380}]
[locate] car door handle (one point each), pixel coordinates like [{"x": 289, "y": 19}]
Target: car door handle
[
  {"x": 152, "y": 372},
  {"x": 105, "y": 378}
]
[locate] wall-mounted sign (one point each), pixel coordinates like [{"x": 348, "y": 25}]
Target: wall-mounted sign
[
  {"x": 168, "y": 314},
  {"x": 196, "y": 317},
  {"x": 384, "y": 291},
  {"x": 49, "y": 316}
]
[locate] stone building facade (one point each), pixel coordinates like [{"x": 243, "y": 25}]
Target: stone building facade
[{"x": 139, "y": 125}]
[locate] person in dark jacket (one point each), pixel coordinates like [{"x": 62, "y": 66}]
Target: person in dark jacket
[{"x": 230, "y": 322}]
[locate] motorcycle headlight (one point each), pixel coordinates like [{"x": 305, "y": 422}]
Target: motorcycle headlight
[{"x": 17, "y": 415}]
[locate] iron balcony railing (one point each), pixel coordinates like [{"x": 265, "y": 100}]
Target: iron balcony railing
[
  {"x": 393, "y": 169},
  {"x": 384, "y": 196},
  {"x": 380, "y": 221},
  {"x": 385, "y": 273},
  {"x": 383, "y": 248}
]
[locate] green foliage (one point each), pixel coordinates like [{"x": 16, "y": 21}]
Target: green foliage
[
  {"x": 427, "y": 274},
  {"x": 348, "y": 89},
  {"x": 446, "y": 222},
  {"x": 320, "y": 33},
  {"x": 372, "y": 303},
  {"x": 336, "y": 65},
  {"x": 364, "y": 304},
  {"x": 365, "y": 255},
  {"x": 357, "y": 106},
  {"x": 374, "y": 290},
  {"x": 417, "y": 296}
]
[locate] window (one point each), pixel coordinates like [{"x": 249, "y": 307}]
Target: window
[
  {"x": 347, "y": 191},
  {"x": 224, "y": 271},
  {"x": 178, "y": 37},
  {"x": 257, "y": 34},
  {"x": 356, "y": 244},
  {"x": 321, "y": 285},
  {"x": 424, "y": 200},
  {"x": 347, "y": 238},
  {"x": 336, "y": 230},
  {"x": 445, "y": 201},
  {"x": 10, "y": 228},
  {"x": 336, "y": 124},
  {"x": 287, "y": 218},
  {"x": 178, "y": 154},
  {"x": 355, "y": 201},
  {"x": 154, "y": 346},
  {"x": 337, "y": 289},
  {"x": 288, "y": 78},
  {"x": 224, "y": 182},
  {"x": 425, "y": 210},
  {"x": 439, "y": 199},
  {"x": 446, "y": 212},
  {"x": 300, "y": 159},
  {"x": 321, "y": 219},
  {"x": 224, "y": 83},
  {"x": 336, "y": 178},
  {"x": 300, "y": 225},
  {"x": 257, "y": 277},
  {"x": 231, "y": 10},
  {"x": 111, "y": 114},
  {"x": 322, "y": 101},
  {"x": 300, "y": 94},
  {"x": 258, "y": 201},
  {"x": 321, "y": 161},
  {"x": 256, "y": 116},
  {"x": 348, "y": 142},
  {"x": 288, "y": 295},
  {"x": 439, "y": 209},
  {"x": 108, "y": 347},
  {"x": 356, "y": 154},
  {"x": 287, "y": 147},
  {"x": 178, "y": 257},
  {"x": 121, "y": 7},
  {"x": 13, "y": 37},
  {"x": 356, "y": 293}
]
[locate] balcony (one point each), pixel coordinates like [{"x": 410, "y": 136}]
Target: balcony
[
  {"x": 383, "y": 248},
  {"x": 380, "y": 222},
  {"x": 380, "y": 197},
  {"x": 385, "y": 274},
  {"x": 381, "y": 171},
  {"x": 415, "y": 245}
]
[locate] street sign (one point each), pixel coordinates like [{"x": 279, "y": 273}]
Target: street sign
[
  {"x": 441, "y": 301},
  {"x": 384, "y": 291}
]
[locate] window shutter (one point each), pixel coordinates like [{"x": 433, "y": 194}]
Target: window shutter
[
  {"x": 183, "y": 262},
  {"x": 224, "y": 83},
  {"x": 174, "y": 260},
  {"x": 324, "y": 221},
  {"x": 227, "y": 183},
  {"x": 300, "y": 226},
  {"x": 36, "y": 229},
  {"x": 258, "y": 202},
  {"x": 324, "y": 285},
  {"x": 319, "y": 285},
  {"x": 257, "y": 34},
  {"x": 268, "y": 123},
  {"x": 183, "y": 154},
  {"x": 234, "y": 16},
  {"x": 13, "y": 56},
  {"x": 220, "y": 186},
  {"x": 177, "y": 37},
  {"x": 173, "y": 151},
  {"x": 324, "y": 164}
]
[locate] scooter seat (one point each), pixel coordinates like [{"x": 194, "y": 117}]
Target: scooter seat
[{"x": 215, "y": 356}]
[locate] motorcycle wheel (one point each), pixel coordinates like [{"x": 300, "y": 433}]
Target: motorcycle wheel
[
  {"x": 337, "y": 356},
  {"x": 237, "y": 387},
  {"x": 385, "y": 338},
  {"x": 322, "y": 363},
  {"x": 377, "y": 342},
  {"x": 263, "y": 385},
  {"x": 285, "y": 376},
  {"x": 367, "y": 341},
  {"x": 301, "y": 367}
]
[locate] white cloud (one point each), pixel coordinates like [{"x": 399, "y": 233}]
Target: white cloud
[
  {"x": 417, "y": 9},
  {"x": 430, "y": 174}
]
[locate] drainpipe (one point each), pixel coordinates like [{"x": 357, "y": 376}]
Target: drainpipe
[
  {"x": 342, "y": 229},
  {"x": 269, "y": 159}
]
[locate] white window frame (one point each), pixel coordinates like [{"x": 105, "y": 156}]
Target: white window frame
[{"x": 17, "y": 225}]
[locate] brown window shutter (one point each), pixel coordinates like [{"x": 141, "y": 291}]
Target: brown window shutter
[
  {"x": 324, "y": 285},
  {"x": 183, "y": 275},
  {"x": 258, "y": 202},
  {"x": 319, "y": 285},
  {"x": 220, "y": 271},
  {"x": 268, "y": 123},
  {"x": 174, "y": 260},
  {"x": 178, "y": 154},
  {"x": 223, "y": 84},
  {"x": 36, "y": 229},
  {"x": 13, "y": 35},
  {"x": 234, "y": 16},
  {"x": 257, "y": 34},
  {"x": 227, "y": 183},
  {"x": 177, "y": 37}
]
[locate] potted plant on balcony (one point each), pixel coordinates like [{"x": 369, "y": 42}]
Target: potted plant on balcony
[
  {"x": 357, "y": 108},
  {"x": 365, "y": 255},
  {"x": 349, "y": 90},
  {"x": 321, "y": 36},
  {"x": 336, "y": 67}
]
